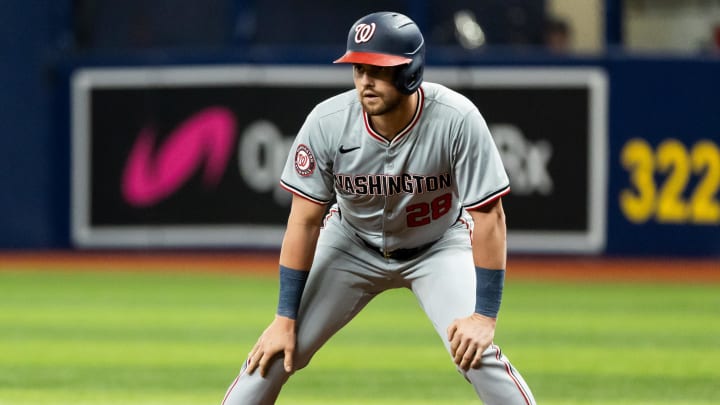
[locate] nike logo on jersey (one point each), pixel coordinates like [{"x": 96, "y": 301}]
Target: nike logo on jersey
[{"x": 343, "y": 150}]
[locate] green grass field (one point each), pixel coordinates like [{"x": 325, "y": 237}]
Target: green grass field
[{"x": 156, "y": 338}]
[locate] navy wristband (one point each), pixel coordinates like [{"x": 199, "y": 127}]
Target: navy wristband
[
  {"x": 292, "y": 284},
  {"x": 489, "y": 288}
]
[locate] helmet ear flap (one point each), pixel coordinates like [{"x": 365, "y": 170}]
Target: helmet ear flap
[{"x": 410, "y": 76}]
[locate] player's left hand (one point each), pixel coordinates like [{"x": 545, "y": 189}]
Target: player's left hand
[{"x": 469, "y": 338}]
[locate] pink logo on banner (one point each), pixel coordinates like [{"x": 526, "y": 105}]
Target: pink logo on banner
[{"x": 152, "y": 174}]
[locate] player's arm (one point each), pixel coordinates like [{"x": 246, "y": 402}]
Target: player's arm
[
  {"x": 489, "y": 236},
  {"x": 469, "y": 337},
  {"x": 296, "y": 254},
  {"x": 303, "y": 229}
]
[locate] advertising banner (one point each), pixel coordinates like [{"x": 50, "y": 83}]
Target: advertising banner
[
  {"x": 664, "y": 195},
  {"x": 551, "y": 128},
  {"x": 191, "y": 156}
]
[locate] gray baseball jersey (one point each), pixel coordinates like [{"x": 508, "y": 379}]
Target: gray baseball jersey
[
  {"x": 394, "y": 196},
  {"x": 402, "y": 193}
]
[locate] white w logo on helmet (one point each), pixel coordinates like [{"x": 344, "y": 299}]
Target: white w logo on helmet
[{"x": 364, "y": 32}]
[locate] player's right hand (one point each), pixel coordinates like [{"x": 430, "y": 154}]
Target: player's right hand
[{"x": 279, "y": 337}]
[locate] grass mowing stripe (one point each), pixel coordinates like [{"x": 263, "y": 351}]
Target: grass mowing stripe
[{"x": 124, "y": 337}]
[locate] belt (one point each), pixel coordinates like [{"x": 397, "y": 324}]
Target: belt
[{"x": 398, "y": 254}]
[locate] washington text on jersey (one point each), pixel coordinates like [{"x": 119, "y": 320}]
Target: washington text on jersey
[{"x": 384, "y": 184}]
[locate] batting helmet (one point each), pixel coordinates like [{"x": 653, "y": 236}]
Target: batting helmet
[{"x": 388, "y": 39}]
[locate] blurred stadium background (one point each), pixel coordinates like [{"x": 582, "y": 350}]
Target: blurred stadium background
[
  {"x": 131, "y": 278},
  {"x": 605, "y": 112}
]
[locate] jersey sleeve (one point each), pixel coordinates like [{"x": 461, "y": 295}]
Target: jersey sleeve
[
  {"x": 479, "y": 170},
  {"x": 308, "y": 169}
]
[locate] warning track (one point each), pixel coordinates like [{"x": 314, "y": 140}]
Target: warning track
[{"x": 555, "y": 268}]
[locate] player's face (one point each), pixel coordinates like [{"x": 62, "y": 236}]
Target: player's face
[{"x": 375, "y": 88}]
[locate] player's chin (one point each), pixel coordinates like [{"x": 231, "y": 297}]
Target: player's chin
[{"x": 374, "y": 106}]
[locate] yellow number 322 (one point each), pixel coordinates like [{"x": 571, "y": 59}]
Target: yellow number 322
[{"x": 668, "y": 202}]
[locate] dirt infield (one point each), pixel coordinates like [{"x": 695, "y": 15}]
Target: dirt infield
[{"x": 519, "y": 267}]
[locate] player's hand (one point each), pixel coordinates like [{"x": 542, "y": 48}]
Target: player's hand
[
  {"x": 469, "y": 338},
  {"x": 278, "y": 337}
]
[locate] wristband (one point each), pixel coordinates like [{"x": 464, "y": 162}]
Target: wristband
[
  {"x": 489, "y": 288},
  {"x": 292, "y": 284}
]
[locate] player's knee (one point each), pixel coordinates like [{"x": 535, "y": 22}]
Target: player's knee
[
  {"x": 301, "y": 359},
  {"x": 300, "y": 362}
]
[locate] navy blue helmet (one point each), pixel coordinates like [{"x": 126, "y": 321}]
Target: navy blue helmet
[{"x": 388, "y": 39}]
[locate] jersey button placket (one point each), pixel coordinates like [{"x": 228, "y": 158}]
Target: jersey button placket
[
  {"x": 389, "y": 155},
  {"x": 387, "y": 210}
]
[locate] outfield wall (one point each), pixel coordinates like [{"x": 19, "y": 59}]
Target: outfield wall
[
  {"x": 615, "y": 155},
  {"x": 215, "y": 121}
]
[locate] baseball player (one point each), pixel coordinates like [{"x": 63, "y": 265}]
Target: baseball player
[{"x": 418, "y": 183}]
